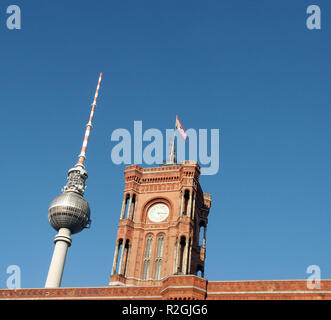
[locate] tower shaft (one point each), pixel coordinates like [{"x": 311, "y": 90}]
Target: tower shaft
[{"x": 62, "y": 241}]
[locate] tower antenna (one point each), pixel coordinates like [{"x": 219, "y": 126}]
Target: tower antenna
[{"x": 82, "y": 155}]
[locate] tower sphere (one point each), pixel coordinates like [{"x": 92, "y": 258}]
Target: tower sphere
[{"x": 69, "y": 210}]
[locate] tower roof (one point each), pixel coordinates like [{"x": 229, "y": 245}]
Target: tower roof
[{"x": 172, "y": 157}]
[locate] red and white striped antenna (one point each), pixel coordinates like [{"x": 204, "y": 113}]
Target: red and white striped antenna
[{"x": 82, "y": 156}]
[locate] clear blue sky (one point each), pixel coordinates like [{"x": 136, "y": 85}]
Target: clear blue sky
[{"x": 250, "y": 68}]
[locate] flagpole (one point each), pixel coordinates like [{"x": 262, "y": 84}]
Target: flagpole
[
  {"x": 172, "y": 159},
  {"x": 173, "y": 140},
  {"x": 173, "y": 151}
]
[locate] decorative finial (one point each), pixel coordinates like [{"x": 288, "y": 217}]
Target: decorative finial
[{"x": 172, "y": 157}]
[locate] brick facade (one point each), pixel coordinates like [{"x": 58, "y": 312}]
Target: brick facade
[
  {"x": 177, "y": 187},
  {"x": 184, "y": 287}
]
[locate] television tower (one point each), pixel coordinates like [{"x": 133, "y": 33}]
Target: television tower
[{"x": 69, "y": 212}]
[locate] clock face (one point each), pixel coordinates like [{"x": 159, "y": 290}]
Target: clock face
[{"x": 158, "y": 212}]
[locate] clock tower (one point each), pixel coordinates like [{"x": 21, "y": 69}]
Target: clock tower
[{"x": 162, "y": 226}]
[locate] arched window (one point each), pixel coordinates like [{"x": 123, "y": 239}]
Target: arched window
[
  {"x": 202, "y": 233},
  {"x": 124, "y": 205},
  {"x": 199, "y": 271},
  {"x": 182, "y": 244},
  {"x": 159, "y": 255},
  {"x": 118, "y": 254},
  {"x": 125, "y": 257},
  {"x": 127, "y": 205},
  {"x": 133, "y": 207},
  {"x": 186, "y": 200},
  {"x": 147, "y": 258}
]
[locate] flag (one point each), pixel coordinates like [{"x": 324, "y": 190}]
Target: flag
[{"x": 180, "y": 128}]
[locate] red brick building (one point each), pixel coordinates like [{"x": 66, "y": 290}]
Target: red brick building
[
  {"x": 164, "y": 215},
  {"x": 160, "y": 247}
]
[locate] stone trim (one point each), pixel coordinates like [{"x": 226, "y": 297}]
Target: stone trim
[
  {"x": 267, "y": 292},
  {"x": 183, "y": 287}
]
